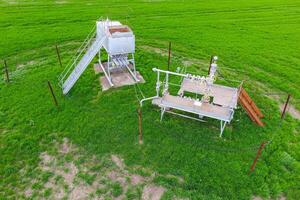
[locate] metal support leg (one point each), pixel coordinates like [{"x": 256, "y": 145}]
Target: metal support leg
[
  {"x": 99, "y": 59},
  {"x": 134, "y": 70},
  {"x": 223, "y": 124},
  {"x": 163, "y": 109},
  {"x": 108, "y": 67},
  {"x": 157, "y": 85},
  {"x": 104, "y": 71},
  {"x": 132, "y": 74}
]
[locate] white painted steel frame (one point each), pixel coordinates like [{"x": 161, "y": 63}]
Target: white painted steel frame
[
  {"x": 223, "y": 122},
  {"x": 107, "y": 72}
]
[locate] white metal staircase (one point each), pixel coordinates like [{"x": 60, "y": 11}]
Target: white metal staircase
[{"x": 92, "y": 45}]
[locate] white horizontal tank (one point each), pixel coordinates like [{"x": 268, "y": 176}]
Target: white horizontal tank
[{"x": 120, "y": 38}]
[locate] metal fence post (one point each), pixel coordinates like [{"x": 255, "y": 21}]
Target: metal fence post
[
  {"x": 140, "y": 126},
  {"x": 262, "y": 145},
  {"x": 6, "y": 71},
  {"x": 285, "y": 107},
  {"x": 58, "y": 55},
  {"x": 52, "y": 93}
]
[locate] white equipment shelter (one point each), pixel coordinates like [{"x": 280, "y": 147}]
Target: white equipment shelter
[
  {"x": 217, "y": 102},
  {"x": 118, "y": 41}
]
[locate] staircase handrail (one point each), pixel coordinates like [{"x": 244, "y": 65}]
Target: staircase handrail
[{"x": 79, "y": 52}]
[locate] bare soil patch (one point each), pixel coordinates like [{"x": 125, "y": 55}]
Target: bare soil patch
[
  {"x": 164, "y": 52},
  {"x": 291, "y": 110},
  {"x": 152, "y": 192},
  {"x": 72, "y": 174}
]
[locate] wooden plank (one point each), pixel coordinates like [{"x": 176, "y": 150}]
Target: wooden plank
[
  {"x": 251, "y": 102},
  {"x": 250, "y": 111},
  {"x": 242, "y": 101}
]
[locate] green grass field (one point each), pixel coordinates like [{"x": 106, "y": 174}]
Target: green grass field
[{"x": 257, "y": 41}]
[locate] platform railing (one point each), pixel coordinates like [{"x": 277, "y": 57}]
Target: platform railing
[{"x": 76, "y": 58}]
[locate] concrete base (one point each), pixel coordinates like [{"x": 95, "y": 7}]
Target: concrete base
[
  {"x": 119, "y": 76},
  {"x": 120, "y": 79}
]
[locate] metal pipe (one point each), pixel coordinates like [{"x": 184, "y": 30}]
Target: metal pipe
[
  {"x": 146, "y": 99},
  {"x": 186, "y": 116},
  {"x": 169, "y": 72}
]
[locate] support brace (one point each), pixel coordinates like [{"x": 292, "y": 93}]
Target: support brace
[
  {"x": 163, "y": 109},
  {"x": 223, "y": 124}
]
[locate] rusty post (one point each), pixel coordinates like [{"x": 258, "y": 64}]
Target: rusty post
[
  {"x": 285, "y": 107},
  {"x": 169, "y": 57},
  {"x": 58, "y": 55},
  {"x": 211, "y": 60},
  {"x": 52, "y": 93},
  {"x": 6, "y": 71},
  {"x": 262, "y": 145},
  {"x": 140, "y": 126}
]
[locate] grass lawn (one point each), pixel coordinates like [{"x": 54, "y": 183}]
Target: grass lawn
[{"x": 257, "y": 41}]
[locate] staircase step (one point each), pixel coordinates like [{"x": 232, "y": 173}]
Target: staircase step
[{"x": 82, "y": 65}]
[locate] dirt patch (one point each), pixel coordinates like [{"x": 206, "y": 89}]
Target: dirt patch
[
  {"x": 152, "y": 192},
  {"x": 117, "y": 177},
  {"x": 80, "y": 192},
  {"x": 291, "y": 110},
  {"x": 185, "y": 61},
  {"x": 46, "y": 159},
  {"x": 65, "y": 147},
  {"x": 137, "y": 179},
  {"x": 294, "y": 112},
  {"x": 28, "y": 192},
  {"x": 33, "y": 62},
  {"x": 69, "y": 173},
  {"x": 118, "y": 161},
  {"x": 163, "y": 52}
]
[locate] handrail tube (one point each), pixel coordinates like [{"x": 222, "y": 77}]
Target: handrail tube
[
  {"x": 169, "y": 72},
  {"x": 75, "y": 57}
]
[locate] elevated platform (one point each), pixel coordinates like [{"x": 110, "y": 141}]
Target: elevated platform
[
  {"x": 195, "y": 107},
  {"x": 210, "y": 100},
  {"x": 222, "y": 95}
]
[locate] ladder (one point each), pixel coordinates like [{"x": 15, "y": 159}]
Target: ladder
[
  {"x": 250, "y": 107},
  {"x": 92, "y": 45}
]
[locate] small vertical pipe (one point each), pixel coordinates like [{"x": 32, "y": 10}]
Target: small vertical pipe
[
  {"x": 52, "y": 93},
  {"x": 169, "y": 57},
  {"x": 158, "y": 84},
  {"x": 140, "y": 126},
  {"x": 58, "y": 55},
  {"x": 6, "y": 71},
  {"x": 211, "y": 61},
  {"x": 285, "y": 107}
]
